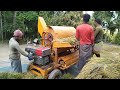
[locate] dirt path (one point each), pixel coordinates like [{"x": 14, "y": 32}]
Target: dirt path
[{"x": 4, "y": 55}]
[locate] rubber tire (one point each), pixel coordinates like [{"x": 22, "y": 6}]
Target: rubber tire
[{"x": 54, "y": 73}]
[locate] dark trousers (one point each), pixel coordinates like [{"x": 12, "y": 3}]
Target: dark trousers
[{"x": 85, "y": 52}]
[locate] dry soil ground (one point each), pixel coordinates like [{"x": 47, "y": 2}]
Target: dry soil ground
[
  {"x": 4, "y": 56},
  {"x": 5, "y": 63}
]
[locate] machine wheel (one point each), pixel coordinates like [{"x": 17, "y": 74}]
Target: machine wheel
[
  {"x": 55, "y": 74},
  {"x": 28, "y": 67}
]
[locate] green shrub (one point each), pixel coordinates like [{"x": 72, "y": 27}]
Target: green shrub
[
  {"x": 7, "y": 75},
  {"x": 116, "y": 40},
  {"x": 28, "y": 75}
]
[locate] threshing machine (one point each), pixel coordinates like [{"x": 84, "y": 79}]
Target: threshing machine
[{"x": 56, "y": 53}]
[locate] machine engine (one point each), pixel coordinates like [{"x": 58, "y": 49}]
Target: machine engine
[{"x": 41, "y": 55}]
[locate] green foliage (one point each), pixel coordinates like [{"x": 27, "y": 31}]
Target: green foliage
[
  {"x": 112, "y": 38},
  {"x": 23, "y": 20},
  {"x": 106, "y": 16},
  {"x": 7, "y": 75},
  {"x": 28, "y": 75},
  {"x": 117, "y": 39},
  {"x": 29, "y": 19},
  {"x": 113, "y": 20},
  {"x": 67, "y": 76},
  {"x": 67, "y": 18},
  {"x": 107, "y": 36},
  {"x": 27, "y": 22}
]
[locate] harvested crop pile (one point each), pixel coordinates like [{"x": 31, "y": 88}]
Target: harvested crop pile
[
  {"x": 72, "y": 40},
  {"x": 105, "y": 67},
  {"x": 28, "y": 75}
]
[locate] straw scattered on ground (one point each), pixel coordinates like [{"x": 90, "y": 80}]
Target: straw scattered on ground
[{"x": 105, "y": 67}]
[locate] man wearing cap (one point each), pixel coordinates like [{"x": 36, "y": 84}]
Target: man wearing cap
[{"x": 15, "y": 52}]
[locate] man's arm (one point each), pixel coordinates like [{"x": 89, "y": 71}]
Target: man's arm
[
  {"x": 92, "y": 36},
  {"x": 20, "y": 50},
  {"x": 96, "y": 32}
]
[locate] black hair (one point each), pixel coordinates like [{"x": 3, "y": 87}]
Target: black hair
[
  {"x": 86, "y": 18},
  {"x": 98, "y": 21}
]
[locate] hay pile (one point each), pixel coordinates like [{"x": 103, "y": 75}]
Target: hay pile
[
  {"x": 105, "y": 67},
  {"x": 72, "y": 40},
  {"x": 28, "y": 75}
]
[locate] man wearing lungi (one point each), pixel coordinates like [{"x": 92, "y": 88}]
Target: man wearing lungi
[{"x": 85, "y": 34}]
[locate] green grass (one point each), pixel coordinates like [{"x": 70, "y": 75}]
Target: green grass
[
  {"x": 28, "y": 75},
  {"x": 67, "y": 76}
]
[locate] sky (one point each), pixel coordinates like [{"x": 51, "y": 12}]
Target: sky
[{"x": 89, "y": 12}]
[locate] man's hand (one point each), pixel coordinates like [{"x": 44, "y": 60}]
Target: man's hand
[{"x": 30, "y": 57}]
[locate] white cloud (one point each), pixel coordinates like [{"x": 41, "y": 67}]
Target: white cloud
[{"x": 89, "y": 12}]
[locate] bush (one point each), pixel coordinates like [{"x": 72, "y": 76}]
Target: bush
[
  {"x": 116, "y": 40},
  {"x": 107, "y": 37}
]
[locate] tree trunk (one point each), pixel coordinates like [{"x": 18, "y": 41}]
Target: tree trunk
[
  {"x": 4, "y": 23},
  {"x": 118, "y": 30},
  {"x": 14, "y": 20},
  {"x": 1, "y": 26}
]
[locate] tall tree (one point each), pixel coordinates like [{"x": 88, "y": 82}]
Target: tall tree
[
  {"x": 14, "y": 20},
  {"x": 117, "y": 20},
  {"x": 67, "y": 18},
  {"x": 1, "y": 26}
]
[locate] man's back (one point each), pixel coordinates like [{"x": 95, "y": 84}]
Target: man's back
[{"x": 85, "y": 33}]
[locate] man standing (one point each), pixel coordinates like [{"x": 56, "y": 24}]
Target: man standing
[
  {"x": 85, "y": 34},
  {"x": 98, "y": 37},
  {"x": 15, "y": 51}
]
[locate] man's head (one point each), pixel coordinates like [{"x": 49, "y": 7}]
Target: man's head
[
  {"x": 18, "y": 34},
  {"x": 86, "y": 18},
  {"x": 98, "y": 21}
]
